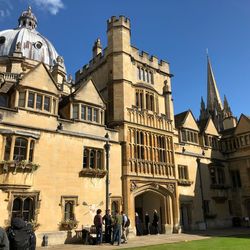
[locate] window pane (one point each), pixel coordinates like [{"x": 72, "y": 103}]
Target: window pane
[
  {"x": 47, "y": 103},
  {"x": 75, "y": 111},
  {"x": 99, "y": 159},
  {"x": 69, "y": 210},
  {"x": 39, "y": 100},
  {"x": 32, "y": 143},
  {"x": 83, "y": 112},
  {"x": 20, "y": 149},
  {"x": 21, "y": 102},
  {"x": 95, "y": 116},
  {"x": 89, "y": 113},
  {"x": 31, "y": 100},
  {"x": 7, "y": 148},
  {"x": 85, "y": 158},
  {"x": 54, "y": 106},
  {"x": 92, "y": 159}
]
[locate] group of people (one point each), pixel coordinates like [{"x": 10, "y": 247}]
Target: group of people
[
  {"x": 148, "y": 229},
  {"x": 19, "y": 236},
  {"x": 116, "y": 227}
]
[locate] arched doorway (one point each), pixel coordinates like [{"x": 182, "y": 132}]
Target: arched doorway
[{"x": 150, "y": 197}]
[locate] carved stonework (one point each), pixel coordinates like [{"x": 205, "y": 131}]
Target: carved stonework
[
  {"x": 170, "y": 187},
  {"x": 155, "y": 185},
  {"x": 133, "y": 186}
]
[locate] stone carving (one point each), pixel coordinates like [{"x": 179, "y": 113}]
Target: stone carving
[
  {"x": 133, "y": 186},
  {"x": 155, "y": 185},
  {"x": 59, "y": 60},
  {"x": 170, "y": 187}
]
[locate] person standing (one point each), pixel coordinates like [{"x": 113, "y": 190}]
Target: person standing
[
  {"x": 117, "y": 220},
  {"x": 98, "y": 226},
  {"x": 108, "y": 226},
  {"x": 147, "y": 223},
  {"x": 156, "y": 222},
  {"x": 138, "y": 225},
  {"x": 4, "y": 241},
  {"x": 124, "y": 227}
]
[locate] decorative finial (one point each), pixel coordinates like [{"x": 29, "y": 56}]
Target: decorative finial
[{"x": 29, "y": 9}]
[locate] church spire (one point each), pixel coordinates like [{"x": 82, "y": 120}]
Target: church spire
[{"x": 213, "y": 96}]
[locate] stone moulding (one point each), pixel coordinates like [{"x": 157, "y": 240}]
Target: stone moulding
[
  {"x": 92, "y": 173},
  {"x": 15, "y": 167}
]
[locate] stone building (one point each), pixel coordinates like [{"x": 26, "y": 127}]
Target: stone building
[{"x": 52, "y": 137}]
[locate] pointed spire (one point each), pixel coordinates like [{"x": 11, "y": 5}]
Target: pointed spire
[
  {"x": 202, "y": 104},
  {"x": 203, "y": 113},
  {"x": 227, "y": 109},
  {"x": 213, "y": 97}
]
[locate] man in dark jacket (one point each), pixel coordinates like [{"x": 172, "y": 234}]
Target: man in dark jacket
[
  {"x": 4, "y": 242},
  {"x": 98, "y": 226},
  {"x": 156, "y": 222},
  {"x": 108, "y": 225},
  {"x": 19, "y": 235}
]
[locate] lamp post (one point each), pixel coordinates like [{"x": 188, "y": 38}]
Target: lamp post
[
  {"x": 198, "y": 160},
  {"x": 107, "y": 149}
]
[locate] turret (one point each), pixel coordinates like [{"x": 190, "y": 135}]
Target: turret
[
  {"x": 169, "y": 107},
  {"x": 118, "y": 30},
  {"x": 97, "y": 48}
]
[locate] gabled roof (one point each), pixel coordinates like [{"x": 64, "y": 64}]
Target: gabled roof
[
  {"x": 243, "y": 125},
  {"x": 187, "y": 120},
  {"x": 207, "y": 126},
  {"x": 40, "y": 78},
  {"x": 180, "y": 119}
]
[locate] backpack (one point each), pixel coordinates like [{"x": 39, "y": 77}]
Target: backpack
[
  {"x": 127, "y": 224},
  {"x": 19, "y": 239}
]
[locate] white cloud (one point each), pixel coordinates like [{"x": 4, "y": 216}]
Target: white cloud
[{"x": 53, "y": 6}]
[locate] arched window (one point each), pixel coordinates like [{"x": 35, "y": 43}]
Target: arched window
[
  {"x": 24, "y": 208},
  {"x": 69, "y": 210},
  {"x": 20, "y": 149}
]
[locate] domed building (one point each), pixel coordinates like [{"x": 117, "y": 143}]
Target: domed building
[{"x": 28, "y": 41}]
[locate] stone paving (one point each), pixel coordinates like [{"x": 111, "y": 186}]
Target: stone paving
[{"x": 154, "y": 239}]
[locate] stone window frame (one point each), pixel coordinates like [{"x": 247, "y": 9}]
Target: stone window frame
[
  {"x": 98, "y": 163},
  {"x": 189, "y": 136},
  {"x": 183, "y": 173},
  {"x": 34, "y": 195},
  {"x": 22, "y": 101},
  {"x": 73, "y": 199},
  {"x": 29, "y": 150},
  {"x": 80, "y": 112},
  {"x": 145, "y": 74},
  {"x": 146, "y": 100}
]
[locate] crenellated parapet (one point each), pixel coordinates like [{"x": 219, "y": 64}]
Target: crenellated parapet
[
  {"x": 150, "y": 60},
  {"x": 114, "y": 22}
]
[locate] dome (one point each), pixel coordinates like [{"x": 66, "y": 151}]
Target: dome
[{"x": 30, "y": 42}]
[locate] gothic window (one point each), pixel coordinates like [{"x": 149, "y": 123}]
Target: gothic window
[
  {"x": 69, "y": 210},
  {"x": 20, "y": 149},
  {"x": 144, "y": 75},
  {"x": 93, "y": 158},
  {"x": 23, "y": 207}
]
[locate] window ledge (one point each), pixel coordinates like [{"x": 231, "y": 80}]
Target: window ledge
[
  {"x": 184, "y": 182},
  {"x": 94, "y": 173},
  {"x": 18, "y": 166}
]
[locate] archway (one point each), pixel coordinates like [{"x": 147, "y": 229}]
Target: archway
[{"x": 147, "y": 202}]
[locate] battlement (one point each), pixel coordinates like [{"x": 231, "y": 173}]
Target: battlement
[
  {"x": 117, "y": 22},
  {"x": 150, "y": 60},
  {"x": 93, "y": 63}
]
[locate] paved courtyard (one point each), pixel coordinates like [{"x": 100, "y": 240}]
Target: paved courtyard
[{"x": 155, "y": 239}]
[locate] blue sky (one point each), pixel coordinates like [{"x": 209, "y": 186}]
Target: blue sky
[{"x": 178, "y": 31}]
